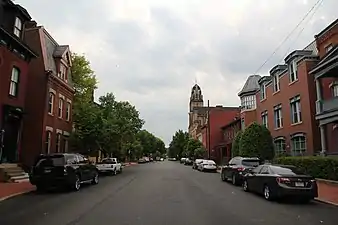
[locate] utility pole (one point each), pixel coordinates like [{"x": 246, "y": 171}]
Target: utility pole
[{"x": 208, "y": 129}]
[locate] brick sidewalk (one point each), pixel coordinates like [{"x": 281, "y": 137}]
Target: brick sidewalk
[{"x": 11, "y": 189}]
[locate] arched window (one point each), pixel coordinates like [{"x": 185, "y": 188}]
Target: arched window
[
  {"x": 298, "y": 144},
  {"x": 280, "y": 146}
]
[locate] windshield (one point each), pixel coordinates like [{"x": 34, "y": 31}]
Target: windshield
[
  {"x": 50, "y": 161},
  {"x": 286, "y": 170},
  {"x": 250, "y": 162}
]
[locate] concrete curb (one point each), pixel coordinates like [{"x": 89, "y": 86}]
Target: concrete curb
[
  {"x": 16, "y": 194},
  {"x": 326, "y": 202}
]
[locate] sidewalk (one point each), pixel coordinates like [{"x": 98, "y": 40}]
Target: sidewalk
[{"x": 8, "y": 190}]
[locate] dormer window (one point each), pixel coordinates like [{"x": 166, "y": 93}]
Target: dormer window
[
  {"x": 263, "y": 92},
  {"x": 17, "y": 27},
  {"x": 293, "y": 76},
  {"x": 63, "y": 72},
  {"x": 276, "y": 84},
  {"x": 328, "y": 48}
]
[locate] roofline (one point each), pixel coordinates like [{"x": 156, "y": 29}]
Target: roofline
[
  {"x": 326, "y": 29},
  {"x": 231, "y": 123}
]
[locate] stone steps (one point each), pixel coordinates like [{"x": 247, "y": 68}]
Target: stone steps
[{"x": 12, "y": 173}]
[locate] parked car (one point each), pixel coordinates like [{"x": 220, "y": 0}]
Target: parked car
[
  {"x": 109, "y": 165},
  {"x": 196, "y": 162},
  {"x": 182, "y": 160},
  {"x": 207, "y": 165},
  {"x": 188, "y": 162},
  {"x": 62, "y": 170},
  {"x": 237, "y": 168},
  {"x": 277, "y": 181}
]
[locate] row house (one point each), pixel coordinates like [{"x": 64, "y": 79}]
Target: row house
[
  {"x": 15, "y": 57},
  {"x": 229, "y": 133},
  {"x": 286, "y": 104},
  {"x": 219, "y": 116},
  {"x": 326, "y": 80},
  {"x": 49, "y": 103}
]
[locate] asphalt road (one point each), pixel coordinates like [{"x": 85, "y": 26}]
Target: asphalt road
[{"x": 159, "y": 193}]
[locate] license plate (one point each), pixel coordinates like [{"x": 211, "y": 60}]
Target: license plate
[
  {"x": 299, "y": 184},
  {"x": 47, "y": 171}
]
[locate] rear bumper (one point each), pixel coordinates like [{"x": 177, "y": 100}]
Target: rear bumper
[
  {"x": 289, "y": 192},
  {"x": 50, "y": 181}
]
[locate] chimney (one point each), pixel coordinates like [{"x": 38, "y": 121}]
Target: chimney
[{"x": 31, "y": 24}]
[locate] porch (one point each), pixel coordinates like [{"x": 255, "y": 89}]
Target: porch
[{"x": 327, "y": 108}]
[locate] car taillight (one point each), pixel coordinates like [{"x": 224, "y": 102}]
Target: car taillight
[
  {"x": 282, "y": 180},
  {"x": 240, "y": 169}
]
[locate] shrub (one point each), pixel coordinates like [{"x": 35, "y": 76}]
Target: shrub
[
  {"x": 235, "y": 144},
  {"x": 256, "y": 141},
  {"x": 316, "y": 166}
]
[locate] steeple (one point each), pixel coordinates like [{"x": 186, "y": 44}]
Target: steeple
[{"x": 196, "y": 98}]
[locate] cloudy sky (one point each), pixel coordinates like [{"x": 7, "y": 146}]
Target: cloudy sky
[{"x": 150, "y": 52}]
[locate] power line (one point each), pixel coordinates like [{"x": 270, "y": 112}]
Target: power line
[
  {"x": 288, "y": 36},
  {"x": 301, "y": 31}
]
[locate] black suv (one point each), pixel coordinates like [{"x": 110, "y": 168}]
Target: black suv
[
  {"x": 237, "y": 168},
  {"x": 62, "y": 170}
]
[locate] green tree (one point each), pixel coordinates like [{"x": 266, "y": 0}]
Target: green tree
[
  {"x": 191, "y": 146},
  {"x": 256, "y": 141},
  {"x": 236, "y": 144},
  {"x": 178, "y": 144},
  {"x": 200, "y": 153}
]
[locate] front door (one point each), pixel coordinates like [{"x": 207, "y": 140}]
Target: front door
[{"x": 11, "y": 130}]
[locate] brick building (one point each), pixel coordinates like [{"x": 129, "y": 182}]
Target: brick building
[
  {"x": 49, "y": 103},
  {"x": 15, "y": 56},
  {"x": 219, "y": 116},
  {"x": 249, "y": 101},
  {"x": 286, "y": 104},
  {"x": 326, "y": 75},
  {"x": 229, "y": 133}
]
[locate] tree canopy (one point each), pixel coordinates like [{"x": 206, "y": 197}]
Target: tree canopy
[
  {"x": 236, "y": 144},
  {"x": 111, "y": 126},
  {"x": 256, "y": 141},
  {"x": 182, "y": 145}
]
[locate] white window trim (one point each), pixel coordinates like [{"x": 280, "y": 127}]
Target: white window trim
[
  {"x": 264, "y": 117},
  {"x": 276, "y": 83},
  {"x": 68, "y": 110},
  {"x": 48, "y": 132},
  {"x": 49, "y": 129},
  {"x": 52, "y": 91},
  {"x": 292, "y": 143},
  {"x": 278, "y": 108},
  {"x": 62, "y": 97},
  {"x": 58, "y": 131},
  {"x": 263, "y": 92},
  {"x": 17, "y": 27},
  {"x": 280, "y": 139},
  {"x": 296, "y": 105},
  {"x": 61, "y": 102},
  {"x": 14, "y": 83},
  {"x": 53, "y": 100},
  {"x": 65, "y": 133},
  {"x": 295, "y": 69}
]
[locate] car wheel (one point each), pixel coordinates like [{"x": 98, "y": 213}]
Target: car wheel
[
  {"x": 40, "y": 188},
  {"x": 121, "y": 170},
  {"x": 267, "y": 193},
  {"x": 77, "y": 183},
  {"x": 95, "y": 178},
  {"x": 245, "y": 186},
  {"x": 223, "y": 178},
  {"x": 234, "y": 179}
]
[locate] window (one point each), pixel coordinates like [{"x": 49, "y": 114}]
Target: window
[
  {"x": 65, "y": 147},
  {"x": 60, "y": 107},
  {"x": 63, "y": 71},
  {"x": 293, "y": 71},
  {"x": 296, "y": 114},
  {"x": 263, "y": 92},
  {"x": 298, "y": 145},
  {"x": 14, "y": 85},
  {"x": 278, "y": 116},
  {"x": 276, "y": 84},
  {"x": 280, "y": 146},
  {"x": 58, "y": 142},
  {"x": 328, "y": 48},
  {"x": 17, "y": 27},
  {"x": 51, "y": 103},
  {"x": 48, "y": 141},
  {"x": 68, "y": 111},
  {"x": 334, "y": 89},
  {"x": 248, "y": 102},
  {"x": 264, "y": 116}
]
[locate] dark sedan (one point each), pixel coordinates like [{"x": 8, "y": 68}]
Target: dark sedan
[{"x": 277, "y": 181}]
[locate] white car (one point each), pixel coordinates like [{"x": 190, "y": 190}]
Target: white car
[
  {"x": 109, "y": 165},
  {"x": 207, "y": 165}
]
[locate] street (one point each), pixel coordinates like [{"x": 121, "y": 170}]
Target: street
[{"x": 160, "y": 193}]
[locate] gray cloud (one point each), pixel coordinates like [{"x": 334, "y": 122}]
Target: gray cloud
[{"x": 150, "y": 52}]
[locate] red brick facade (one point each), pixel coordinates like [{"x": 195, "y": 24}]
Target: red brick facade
[
  {"x": 48, "y": 127},
  {"x": 229, "y": 133},
  {"x": 14, "y": 60}
]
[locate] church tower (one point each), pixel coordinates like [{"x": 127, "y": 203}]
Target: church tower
[{"x": 196, "y": 98}]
